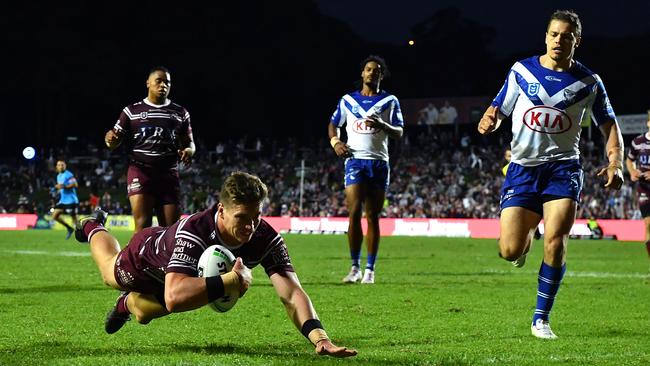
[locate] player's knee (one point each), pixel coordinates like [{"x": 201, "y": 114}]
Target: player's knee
[
  {"x": 141, "y": 317},
  {"x": 509, "y": 253},
  {"x": 108, "y": 279},
  {"x": 355, "y": 213},
  {"x": 372, "y": 216}
]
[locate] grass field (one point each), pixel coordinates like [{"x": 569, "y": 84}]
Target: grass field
[{"x": 437, "y": 301}]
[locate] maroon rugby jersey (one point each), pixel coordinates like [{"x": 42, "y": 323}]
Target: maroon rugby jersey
[
  {"x": 640, "y": 153},
  {"x": 179, "y": 247},
  {"x": 152, "y": 132}
]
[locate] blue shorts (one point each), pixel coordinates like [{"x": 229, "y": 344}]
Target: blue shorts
[
  {"x": 374, "y": 173},
  {"x": 531, "y": 187}
]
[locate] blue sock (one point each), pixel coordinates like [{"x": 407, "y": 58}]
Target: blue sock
[
  {"x": 548, "y": 283},
  {"x": 371, "y": 262},
  {"x": 356, "y": 258}
]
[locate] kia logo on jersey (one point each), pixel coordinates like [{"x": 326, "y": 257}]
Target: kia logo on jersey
[
  {"x": 545, "y": 119},
  {"x": 359, "y": 126}
]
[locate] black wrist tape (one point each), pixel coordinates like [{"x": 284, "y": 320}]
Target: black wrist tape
[
  {"x": 214, "y": 287},
  {"x": 310, "y": 325}
]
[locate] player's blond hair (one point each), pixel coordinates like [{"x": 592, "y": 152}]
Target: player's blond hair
[{"x": 242, "y": 188}]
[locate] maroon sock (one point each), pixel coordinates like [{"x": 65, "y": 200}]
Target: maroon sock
[
  {"x": 121, "y": 305},
  {"x": 647, "y": 246},
  {"x": 91, "y": 227}
]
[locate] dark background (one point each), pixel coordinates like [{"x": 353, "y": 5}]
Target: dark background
[{"x": 278, "y": 68}]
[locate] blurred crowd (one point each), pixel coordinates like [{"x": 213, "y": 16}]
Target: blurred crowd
[{"x": 435, "y": 173}]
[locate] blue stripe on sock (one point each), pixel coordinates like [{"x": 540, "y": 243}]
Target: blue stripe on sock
[
  {"x": 356, "y": 258},
  {"x": 371, "y": 261},
  {"x": 548, "y": 284}
]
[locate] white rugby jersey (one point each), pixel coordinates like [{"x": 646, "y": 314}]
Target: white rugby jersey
[
  {"x": 547, "y": 107},
  {"x": 353, "y": 109}
]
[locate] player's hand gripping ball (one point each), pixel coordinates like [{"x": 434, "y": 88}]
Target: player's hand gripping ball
[{"x": 215, "y": 261}]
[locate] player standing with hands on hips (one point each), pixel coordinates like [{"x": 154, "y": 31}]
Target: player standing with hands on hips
[
  {"x": 547, "y": 97},
  {"x": 371, "y": 116},
  {"x": 159, "y": 134}
]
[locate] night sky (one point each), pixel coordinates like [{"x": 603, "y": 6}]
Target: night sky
[{"x": 279, "y": 68}]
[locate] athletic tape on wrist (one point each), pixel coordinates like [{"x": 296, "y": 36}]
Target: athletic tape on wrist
[
  {"x": 313, "y": 330},
  {"x": 334, "y": 140},
  {"x": 214, "y": 287}
]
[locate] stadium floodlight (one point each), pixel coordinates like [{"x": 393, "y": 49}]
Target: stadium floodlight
[{"x": 29, "y": 153}]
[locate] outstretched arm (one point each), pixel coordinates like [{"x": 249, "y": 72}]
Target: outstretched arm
[{"x": 301, "y": 312}]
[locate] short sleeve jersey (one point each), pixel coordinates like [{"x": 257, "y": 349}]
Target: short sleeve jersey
[
  {"x": 353, "y": 109},
  {"x": 68, "y": 195},
  {"x": 547, "y": 108},
  {"x": 639, "y": 152},
  {"x": 179, "y": 247},
  {"x": 152, "y": 132}
]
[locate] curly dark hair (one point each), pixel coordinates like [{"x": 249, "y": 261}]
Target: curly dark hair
[{"x": 380, "y": 61}]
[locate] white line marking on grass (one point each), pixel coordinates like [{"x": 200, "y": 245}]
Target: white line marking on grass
[
  {"x": 42, "y": 252},
  {"x": 579, "y": 274}
]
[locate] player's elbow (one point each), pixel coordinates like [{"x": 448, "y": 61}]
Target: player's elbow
[{"x": 174, "y": 302}]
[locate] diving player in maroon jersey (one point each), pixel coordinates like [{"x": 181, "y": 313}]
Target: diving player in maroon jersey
[
  {"x": 158, "y": 134},
  {"x": 157, "y": 270},
  {"x": 638, "y": 164}
]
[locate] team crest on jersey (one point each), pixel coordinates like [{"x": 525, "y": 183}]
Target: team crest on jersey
[
  {"x": 143, "y": 115},
  {"x": 533, "y": 89},
  {"x": 355, "y": 109},
  {"x": 545, "y": 119},
  {"x": 569, "y": 95}
]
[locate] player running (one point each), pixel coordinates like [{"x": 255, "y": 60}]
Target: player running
[{"x": 547, "y": 97}]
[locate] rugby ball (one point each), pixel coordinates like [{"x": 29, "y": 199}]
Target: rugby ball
[{"x": 215, "y": 261}]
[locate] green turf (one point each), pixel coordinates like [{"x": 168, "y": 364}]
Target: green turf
[{"x": 437, "y": 301}]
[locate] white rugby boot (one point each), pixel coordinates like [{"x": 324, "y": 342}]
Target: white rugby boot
[
  {"x": 542, "y": 329},
  {"x": 368, "y": 276},
  {"x": 354, "y": 275},
  {"x": 519, "y": 262}
]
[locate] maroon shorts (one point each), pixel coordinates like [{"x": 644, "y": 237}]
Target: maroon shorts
[
  {"x": 164, "y": 185},
  {"x": 133, "y": 274}
]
